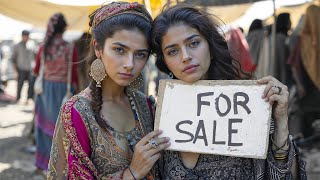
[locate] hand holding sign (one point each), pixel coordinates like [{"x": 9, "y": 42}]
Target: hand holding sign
[
  {"x": 277, "y": 95},
  {"x": 215, "y": 117}
]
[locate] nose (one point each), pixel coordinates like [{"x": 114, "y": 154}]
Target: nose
[
  {"x": 185, "y": 55},
  {"x": 128, "y": 63}
]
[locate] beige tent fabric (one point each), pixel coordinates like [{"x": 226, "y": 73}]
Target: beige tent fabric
[
  {"x": 295, "y": 13},
  {"x": 229, "y": 13},
  {"x": 37, "y": 12}
]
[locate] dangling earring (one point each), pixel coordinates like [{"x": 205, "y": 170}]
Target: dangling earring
[
  {"x": 136, "y": 84},
  {"x": 170, "y": 75},
  {"x": 97, "y": 71}
]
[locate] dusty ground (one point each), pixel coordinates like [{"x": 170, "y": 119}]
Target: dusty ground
[{"x": 15, "y": 125}]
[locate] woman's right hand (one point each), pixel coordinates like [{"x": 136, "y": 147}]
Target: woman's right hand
[{"x": 145, "y": 155}]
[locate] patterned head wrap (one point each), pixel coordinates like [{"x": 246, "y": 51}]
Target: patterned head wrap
[
  {"x": 116, "y": 8},
  {"x": 53, "y": 21}
]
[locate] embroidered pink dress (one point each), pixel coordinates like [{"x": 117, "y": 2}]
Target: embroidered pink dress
[{"x": 81, "y": 149}]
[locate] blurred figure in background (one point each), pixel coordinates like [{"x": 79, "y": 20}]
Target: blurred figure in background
[
  {"x": 239, "y": 49},
  {"x": 56, "y": 54},
  {"x": 83, "y": 46},
  {"x": 22, "y": 58},
  {"x": 259, "y": 47},
  {"x": 310, "y": 56},
  {"x": 255, "y": 39},
  {"x": 282, "y": 70}
]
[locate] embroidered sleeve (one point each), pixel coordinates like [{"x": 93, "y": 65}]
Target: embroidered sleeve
[
  {"x": 283, "y": 171},
  {"x": 58, "y": 168},
  {"x": 75, "y": 166},
  {"x": 70, "y": 147}
]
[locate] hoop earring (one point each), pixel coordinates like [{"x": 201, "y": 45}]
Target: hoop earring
[
  {"x": 170, "y": 75},
  {"x": 136, "y": 84},
  {"x": 97, "y": 71}
]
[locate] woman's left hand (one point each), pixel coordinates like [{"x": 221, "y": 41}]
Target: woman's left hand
[{"x": 277, "y": 95}]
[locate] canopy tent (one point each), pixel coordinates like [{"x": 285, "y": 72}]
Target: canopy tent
[{"x": 37, "y": 12}]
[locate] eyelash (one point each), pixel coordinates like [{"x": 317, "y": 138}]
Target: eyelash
[
  {"x": 139, "y": 54},
  {"x": 193, "y": 44},
  {"x": 119, "y": 50}
]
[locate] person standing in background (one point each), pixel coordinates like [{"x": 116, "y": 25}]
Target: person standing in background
[
  {"x": 22, "y": 58},
  {"x": 57, "y": 55}
]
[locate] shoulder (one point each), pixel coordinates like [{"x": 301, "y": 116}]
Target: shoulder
[{"x": 79, "y": 102}]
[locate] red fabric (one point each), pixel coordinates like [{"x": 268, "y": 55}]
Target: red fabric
[
  {"x": 37, "y": 60},
  {"x": 83, "y": 137},
  {"x": 74, "y": 75},
  {"x": 239, "y": 49}
]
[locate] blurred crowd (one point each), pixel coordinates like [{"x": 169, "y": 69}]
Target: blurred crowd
[{"x": 294, "y": 60}]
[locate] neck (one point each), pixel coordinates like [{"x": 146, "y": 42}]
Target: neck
[{"x": 112, "y": 91}]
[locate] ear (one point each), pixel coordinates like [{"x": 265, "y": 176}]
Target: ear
[{"x": 97, "y": 50}]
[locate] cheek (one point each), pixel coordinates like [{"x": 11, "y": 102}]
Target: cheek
[
  {"x": 140, "y": 64},
  {"x": 171, "y": 63}
]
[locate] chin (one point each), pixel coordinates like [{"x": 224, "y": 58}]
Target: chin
[
  {"x": 123, "y": 83},
  {"x": 191, "y": 78}
]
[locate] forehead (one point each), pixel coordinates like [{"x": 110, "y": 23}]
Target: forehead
[
  {"x": 134, "y": 39},
  {"x": 177, "y": 34}
]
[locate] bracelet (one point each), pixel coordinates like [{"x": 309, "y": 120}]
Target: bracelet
[
  {"x": 132, "y": 173},
  {"x": 280, "y": 156},
  {"x": 277, "y": 147}
]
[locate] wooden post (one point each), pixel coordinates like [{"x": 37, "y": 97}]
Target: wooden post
[{"x": 273, "y": 37}]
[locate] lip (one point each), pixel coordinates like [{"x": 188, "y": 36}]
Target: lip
[
  {"x": 126, "y": 75},
  {"x": 190, "y": 68}
]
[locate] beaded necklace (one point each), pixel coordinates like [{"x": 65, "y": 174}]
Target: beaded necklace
[{"x": 132, "y": 136}]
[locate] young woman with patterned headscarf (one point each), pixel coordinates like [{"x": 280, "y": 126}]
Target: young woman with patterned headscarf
[
  {"x": 105, "y": 132},
  {"x": 53, "y": 57}
]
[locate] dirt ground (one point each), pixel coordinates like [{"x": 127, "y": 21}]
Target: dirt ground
[{"x": 15, "y": 126}]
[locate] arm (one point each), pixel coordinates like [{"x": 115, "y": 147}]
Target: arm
[
  {"x": 37, "y": 61},
  {"x": 14, "y": 57},
  {"x": 65, "y": 159},
  {"x": 282, "y": 157}
]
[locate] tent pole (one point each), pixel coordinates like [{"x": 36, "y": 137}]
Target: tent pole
[
  {"x": 273, "y": 38},
  {"x": 148, "y": 6}
]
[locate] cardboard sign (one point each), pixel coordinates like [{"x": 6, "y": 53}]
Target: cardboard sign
[{"x": 214, "y": 117}]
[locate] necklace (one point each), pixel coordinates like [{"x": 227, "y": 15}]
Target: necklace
[
  {"x": 131, "y": 135},
  {"x": 122, "y": 135}
]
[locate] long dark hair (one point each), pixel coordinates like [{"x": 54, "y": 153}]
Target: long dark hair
[
  {"x": 222, "y": 66},
  {"x": 256, "y": 25},
  {"x": 100, "y": 33},
  {"x": 56, "y": 25}
]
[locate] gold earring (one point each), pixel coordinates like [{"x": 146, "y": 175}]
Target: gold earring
[
  {"x": 136, "y": 84},
  {"x": 97, "y": 71}
]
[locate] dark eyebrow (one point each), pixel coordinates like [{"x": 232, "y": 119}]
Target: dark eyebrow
[
  {"x": 126, "y": 47},
  {"x": 187, "y": 39}
]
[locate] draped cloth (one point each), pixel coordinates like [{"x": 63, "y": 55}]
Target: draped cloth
[
  {"x": 239, "y": 49},
  {"x": 214, "y": 167},
  {"x": 82, "y": 150},
  {"x": 310, "y": 44}
]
